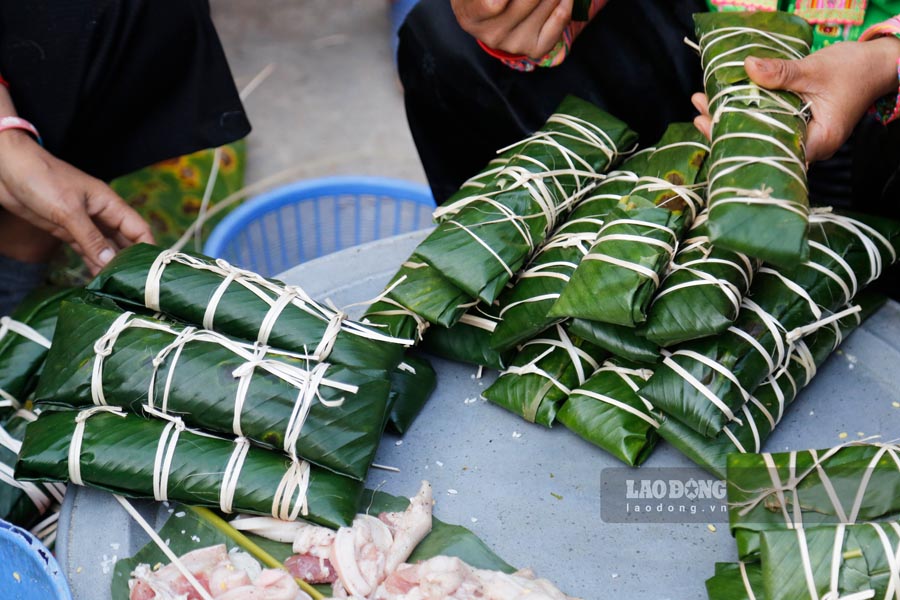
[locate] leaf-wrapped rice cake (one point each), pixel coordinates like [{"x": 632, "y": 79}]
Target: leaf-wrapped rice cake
[
  {"x": 543, "y": 374},
  {"x": 771, "y": 400},
  {"x": 847, "y": 562},
  {"x": 482, "y": 247},
  {"x": 704, "y": 383},
  {"x": 758, "y": 194},
  {"x": 25, "y": 338},
  {"x": 607, "y": 411},
  {"x": 618, "y": 278},
  {"x": 525, "y": 306},
  {"x": 22, "y": 503},
  {"x": 331, "y": 415},
  {"x": 108, "y": 449},
  {"x": 420, "y": 288},
  {"x": 223, "y": 298},
  {"x": 701, "y": 295},
  {"x": 852, "y": 483}
]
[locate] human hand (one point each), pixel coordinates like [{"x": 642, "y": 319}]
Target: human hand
[
  {"x": 66, "y": 202},
  {"x": 840, "y": 82},
  {"x": 523, "y": 27}
]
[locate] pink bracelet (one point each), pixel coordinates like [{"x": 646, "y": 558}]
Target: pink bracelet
[
  {"x": 11, "y": 122},
  {"x": 886, "y": 109}
]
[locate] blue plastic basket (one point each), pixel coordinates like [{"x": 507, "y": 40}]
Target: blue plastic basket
[
  {"x": 295, "y": 223},
  {"x": 27, "y": 568}
]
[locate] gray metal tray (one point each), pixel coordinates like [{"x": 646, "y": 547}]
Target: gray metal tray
[{"x": 532, "y": 494}]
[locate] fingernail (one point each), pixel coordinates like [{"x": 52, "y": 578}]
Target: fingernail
[
  {"x": 759, "y": 64},
  {"x": 106, "y": 255}
]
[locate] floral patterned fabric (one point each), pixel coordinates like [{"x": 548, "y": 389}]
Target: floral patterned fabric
[{"x": 168, "y": 195}]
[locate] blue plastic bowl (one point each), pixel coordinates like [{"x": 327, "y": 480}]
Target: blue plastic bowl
[
  {"x": 28, "y": 570},
  {"x": 273, "y": 232}
]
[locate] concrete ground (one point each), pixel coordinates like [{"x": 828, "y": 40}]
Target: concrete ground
[{"x": 333, "y": 104}]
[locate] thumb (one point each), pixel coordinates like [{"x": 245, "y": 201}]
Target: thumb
[
  {"x": 777, "y": 74},
  {"x": 822, "y": 141}
]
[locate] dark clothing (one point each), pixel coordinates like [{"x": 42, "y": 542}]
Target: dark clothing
[{"x": 116, "y": 85}]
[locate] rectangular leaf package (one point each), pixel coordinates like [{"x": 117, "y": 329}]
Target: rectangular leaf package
[
  {"x": 607, "y": 411},
  {"x": 618, "y": 278},
  {"x": 481, "y": 247},
  {"x": 543, "y": 374},
  {"x": 105, "y": 448},
  {"x": 331, "y": 415},
  {"x": 771, "y": 400},
  {"x": 841, "y": 561},
  {"x": 704, "y": 383},
  {"x": 758, "y": 193},
  {"x": 701, "y": 295},
  {"x": 525, "y": 307},
  {"x": 25, "y": 338},
  {"x": 220, "y": 297},
  {"x": 852, "y": 483}
]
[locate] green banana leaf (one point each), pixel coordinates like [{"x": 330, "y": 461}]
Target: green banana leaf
[
  {"x": 524, "y": 306},
  {"x": 118, "y": 452},
  {"x": 615, "y": 282},
  {"x": 736, "y": 581},
  {"x": 25, "y": 337},
  {"x": 758, "y": 195},
  {"x": 853, "y": 483},
  {"x": 543, "y": 374},
  {"x": 839, "y": 562},
  {"x": 472, "y": 189},
  {"x": 701, "y": 296},
  {"x": 607, "y": 411},
  {"x": 486, "y": 243},
  {"x": 22, "y": 503},
  {"x": 189, "y": 282},
  {"x": 340, "y": 411},
  {"x": 469, "y": 340},
  {"x": 618, "y": 340},
  {"x": 411, "y": 385},
  {"x": 705, "y": 382},
  {"x": 395, "y": 320},
  {"x": 424, "y": 291},
  {"x": 770, "y": 401},
  {"x": 183, "y": 531}
]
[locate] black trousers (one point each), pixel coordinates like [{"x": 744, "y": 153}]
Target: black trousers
[
  {"x": 462, "y": 104},
  {"x": 116, "y": 85}
]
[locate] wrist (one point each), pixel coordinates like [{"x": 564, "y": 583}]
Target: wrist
[
  {"x": 886, "y": 51},
  {"x": 16, "y": 125}
]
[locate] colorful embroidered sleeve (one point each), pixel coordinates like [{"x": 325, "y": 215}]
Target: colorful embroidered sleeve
[
  {"x": 888, "y": 108},
  {"x": 557, "y": 54}
]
